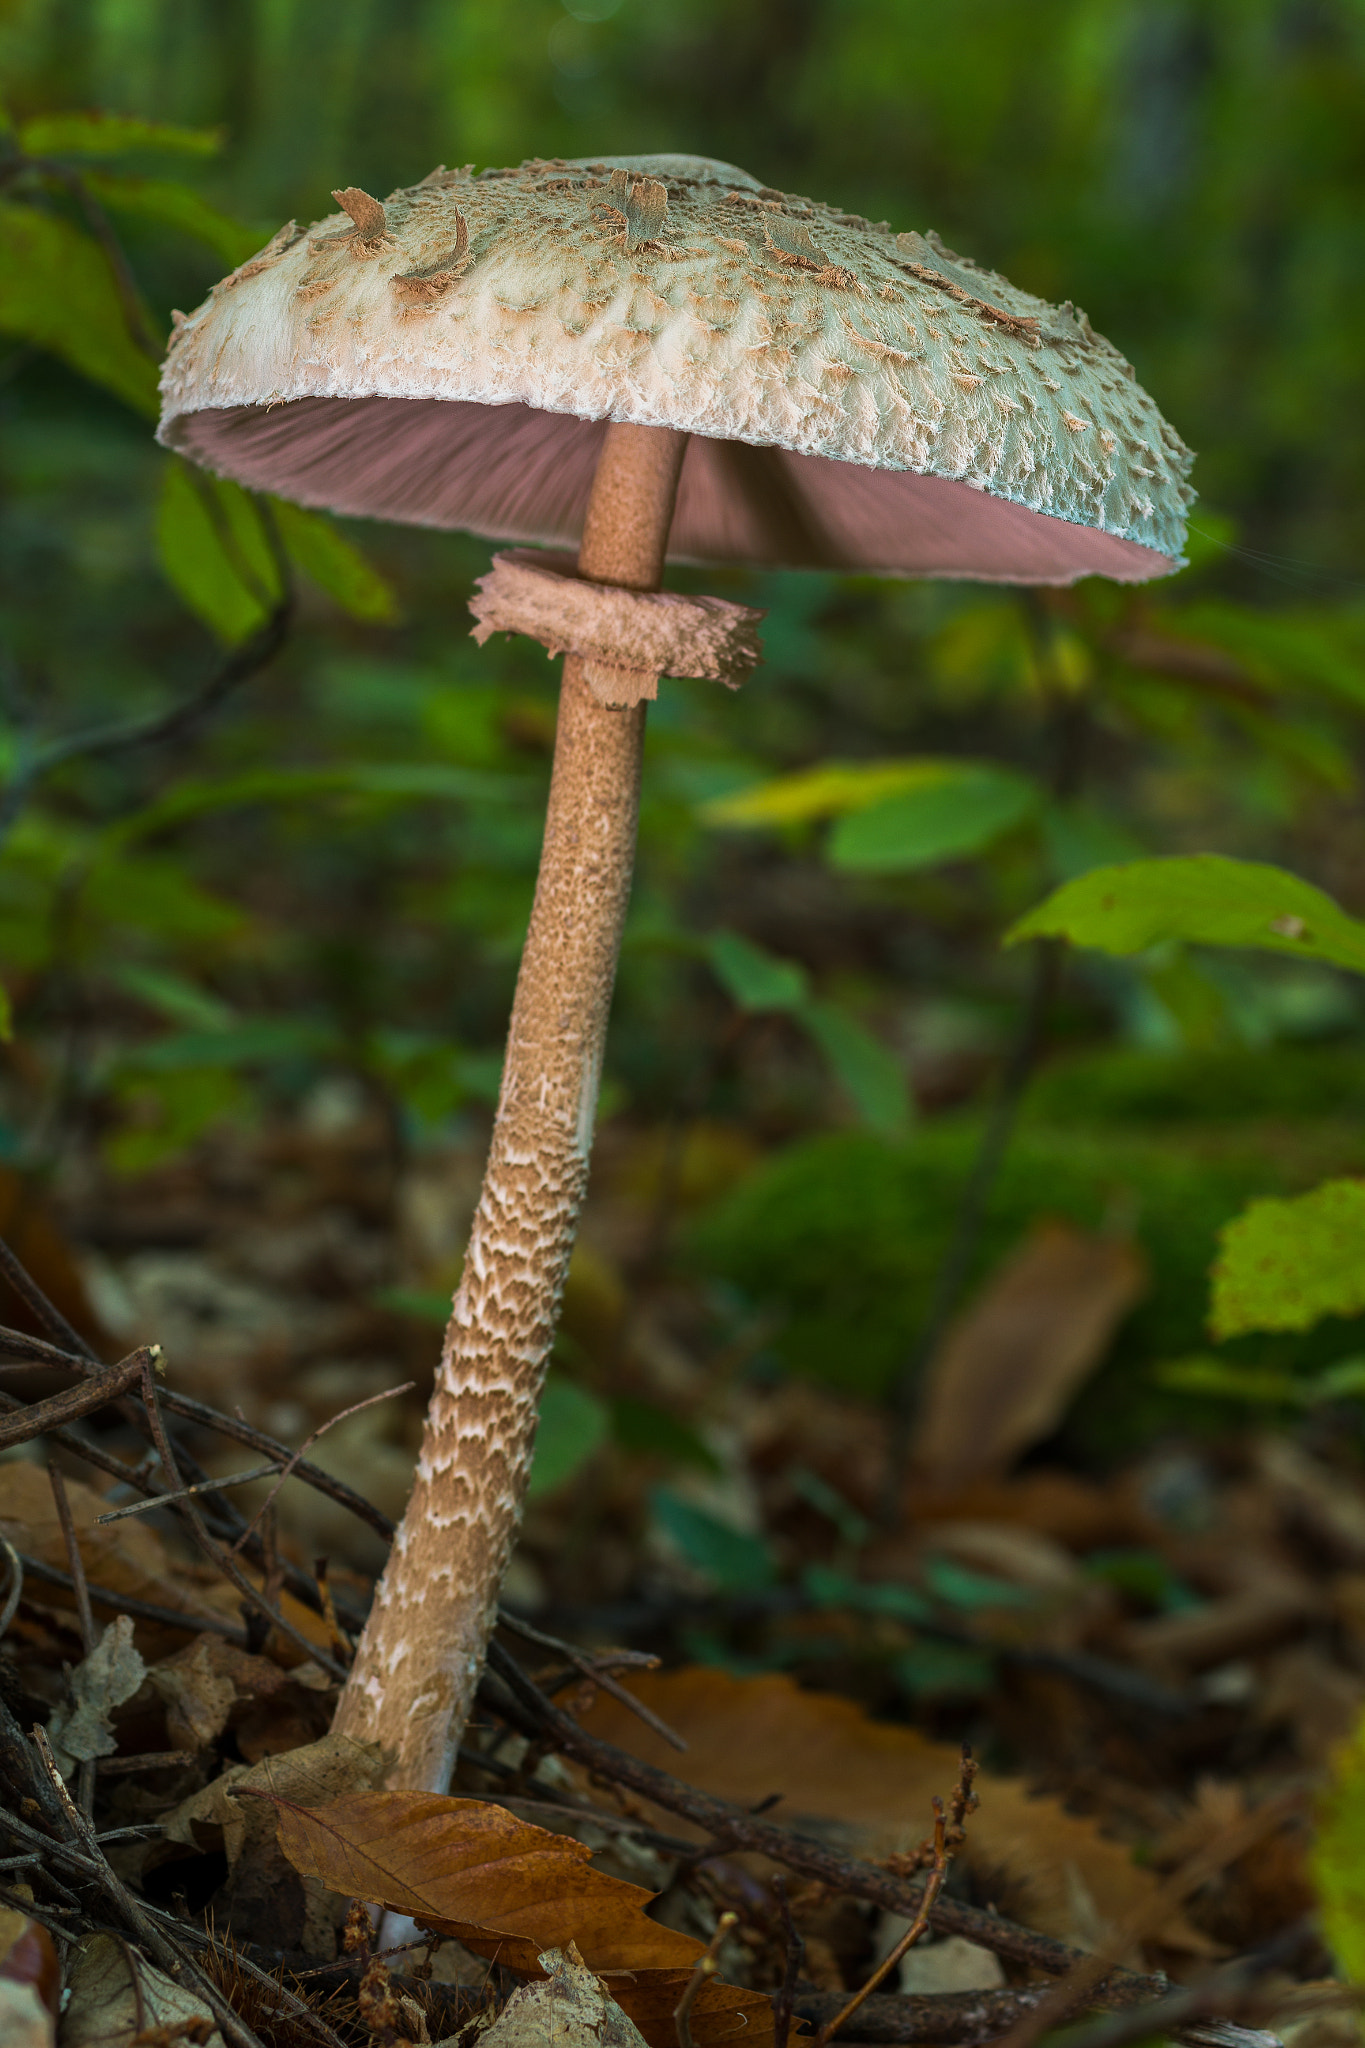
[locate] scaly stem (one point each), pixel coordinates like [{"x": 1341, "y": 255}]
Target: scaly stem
[{"x": 422, "y": 1650}]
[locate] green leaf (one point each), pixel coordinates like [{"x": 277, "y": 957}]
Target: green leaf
[
  {"x": 824, "y": 792},
  {"x": 1227, "y": 1382},
  {"x": 572, "y": 1425},
  {"x": 97, "y": 134},
  {"x": 959, "y": 1586},
  {"x": 929, "y": 1670},
  {"x": 870, "y": 1073},
  {"x": 650, "y": 1431},
  {"x": 394, "y": 782},
  {"x": 215, "y": 552},
  {"x": 1336, "y": 1858},
  {"x": 825, "y": 1587},
  {"x": 6, "y": 1016},
  {"x": 1284, "y": 1265},
  {"x": 958, "y": 810},
  {"x": 319, "y": 547},
  {"x": 753, "y": 978},
  {"x": 180, "y": 1000},
  {"x": 175, "y": 206},
  {"x": 58, "y": 292},
  {"x": 733, "y": 1560},
  {"x": 1205, "y": 899}
]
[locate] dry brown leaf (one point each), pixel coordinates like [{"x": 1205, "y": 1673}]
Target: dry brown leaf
[
  {"x": 83, "y": 1727},
  {"x": 110, "y": 2007},
  {"x": 868, "y": 1785},
  {"x": 125, "y": 1557},
  {"x": 1010, "y": 1364},
  {"x": 266, "y": 1899},
  {"x": 508, "y": 1889},
  {"x": 203, "y": 1683}
]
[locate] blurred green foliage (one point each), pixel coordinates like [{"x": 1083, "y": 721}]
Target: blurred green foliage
[{"x": 329, "y": 873}]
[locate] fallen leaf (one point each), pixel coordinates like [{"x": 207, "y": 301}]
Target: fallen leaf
[
  {"x": 123, "y": 1557},
  {"x": 1008, "y": 1367},
  {"x": 111, "y": 1674},
  {"x": 108, "y": 2006},
  {"x": 265, "y": 1897},
  {"x": 25, "y": 2021},
  {"x": 204, "y": 1682},
  {"x": 508, "y": 1889},
  {"x": 867, "y": 1785},
  {"x": 571, "y": 2010}
]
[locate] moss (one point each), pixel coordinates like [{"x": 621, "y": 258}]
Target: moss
[{"x": 841, "y": 1236}]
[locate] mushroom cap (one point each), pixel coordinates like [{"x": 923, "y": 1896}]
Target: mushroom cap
[{"x": 857, "y": 399}]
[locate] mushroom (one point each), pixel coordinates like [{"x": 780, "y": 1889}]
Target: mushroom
[{"x": 651, "y": 357}]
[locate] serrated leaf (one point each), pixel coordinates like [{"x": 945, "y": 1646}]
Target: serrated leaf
[
  {"x": 871, "y": 1074},
  {"x": 1285, "y": 1264},
  {"x": 1204, "y": 899},
  {"x": 99, "y": 134},
  {"x": 509, "y": 1889},
  {"x": 214, "y": 552},
  {"x": 175, "y": 206},
  {"x": 753, "y": 978},
  {"x": 959, "y": 812},
  {"x": 58, "y": 292},
  {"x": 315, "y": 544}
]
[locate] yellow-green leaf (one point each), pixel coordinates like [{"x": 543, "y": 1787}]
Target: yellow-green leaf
[
  {"x": 830, "y": 790},
  {"x": 57, "y": 291},
  {"x": 1337, "y": 1858},
  {"x": 1203, "y": 898},
  {"x": 97, "y": 134},
  {"x": 1284, "y": 1265}
]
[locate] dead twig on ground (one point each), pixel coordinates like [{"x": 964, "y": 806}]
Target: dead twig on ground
[
  {"x": 934, "y": 1856},
  {"x": 706, "y": 1967},
  {"x": 15, "y": 1591},
  {"x": 293, "y": 1461},
  {"x": 596, "y": 1669},
  {"x": 731, "y": 1828},
  {"x": 784, "y": 2005}
]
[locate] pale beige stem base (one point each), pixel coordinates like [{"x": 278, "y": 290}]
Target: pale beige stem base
[{"x": 423, "y": 1647}]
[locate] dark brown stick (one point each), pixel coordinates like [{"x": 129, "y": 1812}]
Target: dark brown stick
[
  {"x": 739, "y": 1830},
  {"x": 141, "y": 1610},
  {"x": 35, "y": 1418}
]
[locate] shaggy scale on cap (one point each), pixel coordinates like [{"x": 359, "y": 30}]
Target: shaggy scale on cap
[{"x": 859, "y": 399}]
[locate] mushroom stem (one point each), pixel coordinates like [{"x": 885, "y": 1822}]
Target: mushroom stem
[{"x": 422, "y": 1650}]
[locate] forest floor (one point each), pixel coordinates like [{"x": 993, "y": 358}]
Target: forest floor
[{"x": 1153, "y": 1664}]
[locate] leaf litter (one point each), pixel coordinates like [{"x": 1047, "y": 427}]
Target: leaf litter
[{"x": 1059, "y": 1610}]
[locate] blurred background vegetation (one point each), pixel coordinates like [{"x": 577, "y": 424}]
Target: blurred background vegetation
[{"x": 315, "y": 892}]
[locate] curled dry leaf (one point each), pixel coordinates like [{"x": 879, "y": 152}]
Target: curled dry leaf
[
  {"x": 868, "y": 1785},
  {"x": 509, "y": 1890},
  {"x": 102, "y": 1681},
  {"x": 1009, "y": 1366},
  {"x": 109, "y": 2007}
]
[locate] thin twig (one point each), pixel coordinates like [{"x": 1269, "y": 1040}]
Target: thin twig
[
  {"x": 231, "y": 1951},
  {"x": 51, "y": 1318},
  {"x": 706, "y": 1968},
  {"x": 162, "y": 1950},
  {"x": 1073, "y": 1992},
  {"x": 15, "y": 1564},
  {"x": 35, "y": 1418},
  {"x": 161, "y": 1500},
  {"x": 85, "y": 1769},
  {"x": 594, "y": 1668},
  {"x": 307, "y": 1445},
  {"x": 189, "y": 1619},
  {"x": 216, "y": 1555},
  {"x": 723, "y": 1822},
  {"x": 785, "y": 2003},
  {"x": 154, "y": 1760}
]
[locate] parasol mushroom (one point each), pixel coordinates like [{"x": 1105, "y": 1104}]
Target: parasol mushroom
[{"x": 654, "y": 357}]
